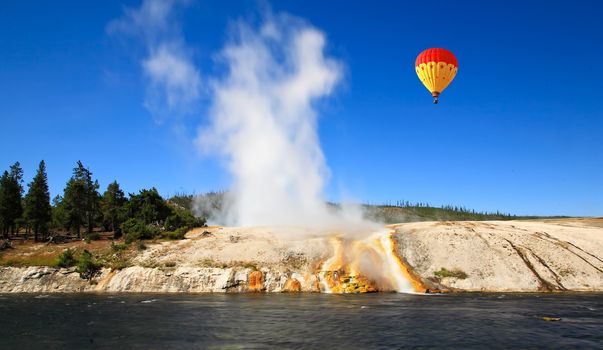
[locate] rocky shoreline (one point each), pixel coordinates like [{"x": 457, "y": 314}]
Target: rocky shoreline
[
  {"x": 497, "y": 256},
  {"x": 139, "y": 279}
]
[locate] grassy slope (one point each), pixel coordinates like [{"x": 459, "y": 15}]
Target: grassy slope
[{"x": 395, "y": 214}]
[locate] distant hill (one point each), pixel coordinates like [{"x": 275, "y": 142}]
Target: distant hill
[{"x": 389, "y": 214}]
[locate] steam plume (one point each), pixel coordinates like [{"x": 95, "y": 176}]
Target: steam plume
[
  {"x": 262, "y": 118},
  {"x": 264, "y": 121}
]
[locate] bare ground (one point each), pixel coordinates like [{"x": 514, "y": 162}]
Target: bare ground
[{"x": 538, "y": 255}]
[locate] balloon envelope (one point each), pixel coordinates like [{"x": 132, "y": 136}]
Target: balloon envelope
[{"x": 436, "y": 67}]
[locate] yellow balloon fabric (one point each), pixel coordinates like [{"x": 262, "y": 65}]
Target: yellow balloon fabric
[
  {"x": 436, "y": 76},
  {"x": 436, "y": 68}
]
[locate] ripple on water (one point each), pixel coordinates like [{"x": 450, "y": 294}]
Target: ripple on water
[
  {"x": 382, "y": 320},
  {"x": 148, "y": 301}
]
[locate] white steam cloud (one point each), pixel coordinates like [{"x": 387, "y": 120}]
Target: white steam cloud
[
  {"x": 262, "y": 117},
  {"x": 264, "y": 121},
  {"x": 174, "y": 83}
]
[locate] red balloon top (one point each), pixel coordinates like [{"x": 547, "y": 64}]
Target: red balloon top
[{"x": 436, "y": 55}]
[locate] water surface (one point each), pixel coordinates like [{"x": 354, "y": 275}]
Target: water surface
[{"x": 295, "y": 321}]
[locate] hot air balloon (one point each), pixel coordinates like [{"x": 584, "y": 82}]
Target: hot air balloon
[{"x": 436, "y": 68}]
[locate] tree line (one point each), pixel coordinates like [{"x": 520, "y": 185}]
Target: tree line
[
  {"x": 451, "y": 208},
  {"x": 82, "y": 208}
]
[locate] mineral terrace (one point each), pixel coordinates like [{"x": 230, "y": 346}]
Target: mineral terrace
[{"x": 494, "y": 256}]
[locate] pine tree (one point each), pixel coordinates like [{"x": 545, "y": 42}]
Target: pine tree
[
  {"x": 60, "y": 217},
  {"x": 93, "y": 209},
  {"x": 3, "y": 205},
  {"x": 73, "y": 204},
  {"x": 38, "y": 211},
  {"x": 112, "y": 205},
  {"x": 81, "y": 199},
  {"x": 11, "y": 196}
]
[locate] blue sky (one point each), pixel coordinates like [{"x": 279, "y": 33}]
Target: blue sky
[{"x": 519, "y": 130}]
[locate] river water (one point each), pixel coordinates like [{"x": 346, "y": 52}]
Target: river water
[{"x": 296, "y": 321}]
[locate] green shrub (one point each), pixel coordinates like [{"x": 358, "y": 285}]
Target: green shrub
[
  {"x": 212, "y": 263},
  {"x": 66, "y": 259},
  {"x": 176, "y": 234},
  {"x": 135, "y": 229},
  {"x": 152, "y": 232},
  {"x": 118, "y": 247},
  {"x": 95, "y": 236},
  {"x": 173, "y": 222},
  {"x": 148, "y": 206},
  {"x": 456, "y": 273},
  {"x": 182, "y": 218},
  {"x": 87, "y": 267},
  {"x": 118, "y": 264}
]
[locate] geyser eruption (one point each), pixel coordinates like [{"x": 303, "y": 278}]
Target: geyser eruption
[{"x": 264, "y": 121}]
